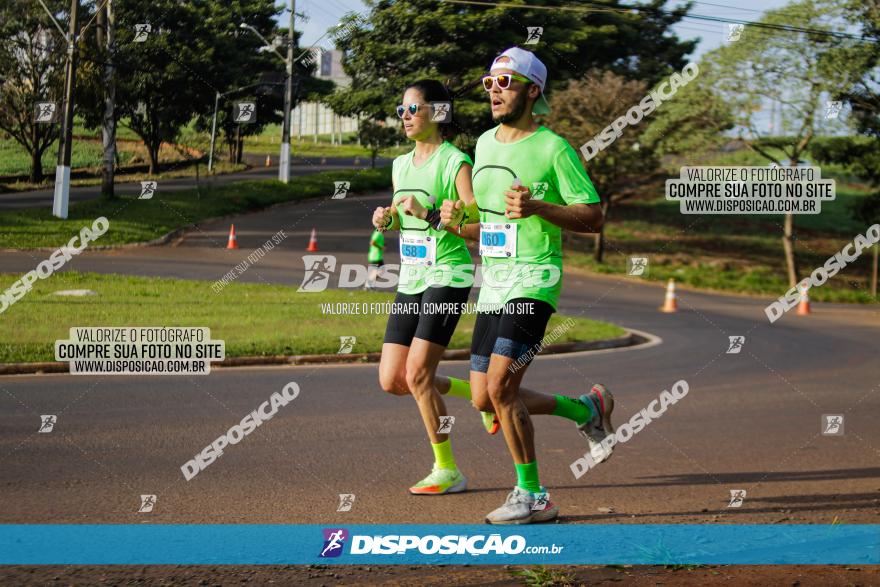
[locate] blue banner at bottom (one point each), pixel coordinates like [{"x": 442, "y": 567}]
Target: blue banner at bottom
[{"x": 647, "y": 544}]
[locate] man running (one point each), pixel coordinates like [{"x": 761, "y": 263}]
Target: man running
[{"x": 529, "y": 184}]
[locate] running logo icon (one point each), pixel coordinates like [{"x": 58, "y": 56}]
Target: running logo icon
[
  {"x": 735, "y": 344},
  {"x": 542, "y": 500},
  {"x": 638, "y": 266},
  {"x": 47, "y": 423},
  {"x": 334, "y": 540},
  {"x": 141, "y": 32},
  {"x": 341, "y": 190},
  {"x": 318, "y": 271},
  {"x": 446, "y": 423},
  {"x": 148, "y": 188},
  {"x": 346, "y": 344},
  {"x": 734, "y": 32},
  {"x": 45, "y": 112},
  {"x": 736, "y": 498},
  {"x": 534, "y": 34},
  {"x": 539, "y": 190},
  {"x": 346, "y": 502},
  {"x": 148, "y": 502},
  {"x": 832, "y": 424},
  {"x": 245, "y": 112},
  {"x": 832, "y": 109},
  {"x": 441, "y": 111}
]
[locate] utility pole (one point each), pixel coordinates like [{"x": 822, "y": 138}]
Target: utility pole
[
  {"x": 109, "y": 123},
  {"x": 284, "y": 163},
  {"x": 62, "y": 171}
]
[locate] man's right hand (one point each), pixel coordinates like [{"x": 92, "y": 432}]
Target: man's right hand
[
  {"x": 380, "y": 217},
  {"x": 451, "y": 212}
]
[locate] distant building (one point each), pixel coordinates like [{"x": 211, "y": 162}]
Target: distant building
[{"x": 312, "y": 118}]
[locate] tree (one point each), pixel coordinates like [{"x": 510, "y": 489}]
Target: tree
[
  {"x": 399, "y": 42},
  {"x": 582, "y": 109},
  {"x": 795, "y": 71},
  {"x": 376, "y": 136},
  {"x": 192, "y": 51},
  {"x": 32, "y": 57}
]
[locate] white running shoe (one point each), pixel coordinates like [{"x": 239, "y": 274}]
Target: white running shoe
[
  {"x": 598, "y": 428},
  {"x": 524, "y": 507}
]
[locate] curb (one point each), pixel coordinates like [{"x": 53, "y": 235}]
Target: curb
[{"x": 629, "y": 339}]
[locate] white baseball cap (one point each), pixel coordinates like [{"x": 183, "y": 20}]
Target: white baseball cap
[{"x": 526, "y": 64}]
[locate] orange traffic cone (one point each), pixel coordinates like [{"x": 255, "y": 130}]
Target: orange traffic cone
[
  {"x": 670, "y": 304},
  {"x": 313, "y": 242},
  {"x": 804, "y": 305},
  {"x": 233, "y": 242},
  {"x": 268, "y": 160}
]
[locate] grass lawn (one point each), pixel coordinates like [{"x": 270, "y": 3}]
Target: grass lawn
[
  {"x": 253, "y": 319},
  {"x": 133, "y": 220},
  {"x": 15, "y": 160}
]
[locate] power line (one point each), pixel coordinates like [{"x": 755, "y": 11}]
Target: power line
[{"x": 627, "y": 9}]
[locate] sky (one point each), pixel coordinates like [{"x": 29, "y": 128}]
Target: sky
[{"x": 323, "y": 14}]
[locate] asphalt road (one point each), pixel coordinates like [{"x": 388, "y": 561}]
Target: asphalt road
[
  {"x": 301, "y": 166},
  {"x": 750, "y": 421}
]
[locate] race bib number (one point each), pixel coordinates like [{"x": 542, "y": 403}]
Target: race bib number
[
  {"x": 497, "y": 239},
  {"x": 418, "y": 250}
]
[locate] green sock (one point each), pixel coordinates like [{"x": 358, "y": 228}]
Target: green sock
[
  {"x": 443, "y": 458},
  {"x": 572, "y": 409},
  {"x": 527, "y": 476},
  {"x": 459, "y": 388}
]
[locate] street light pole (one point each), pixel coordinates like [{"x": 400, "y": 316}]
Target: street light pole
[
  {"x": 213, "y": 133},
  {"x": 62, "y": 171},
  {"x": 284, "y": 162}
]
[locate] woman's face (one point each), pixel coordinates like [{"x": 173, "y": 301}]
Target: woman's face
[{"x": 417, "y": 126}]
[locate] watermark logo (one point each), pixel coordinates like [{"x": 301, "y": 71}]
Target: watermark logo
[
  {"x": 251, "y": 259},
  {"x": 737, "y": 496},
  {"x": 346, "y": 344},
  {"x": 539, "y": 190},
  {"x": 635, "y": 425},
  {"x": 832, "y": 109},
  {"x": 666, "y": 90},
  {"x": 141, "y": 32},
  {"x": 446, "y": 423},
  {"x": 832, "y": 424},
  {"x": 46, "y": 112},
  {"x": 264, "y": 412},
  {"x": 637, "y": 266},
  {"x": 47, "y": 423},
  {"x": 319, "y": 268},
  {"x": 542, "y": 500},
  {"x": 533, "y": 35},
  {"x": 735, "y": 344},
  {"x": 148, "y": 190},
  {"x": 734, "y": 32},
  {"x": 346, "y": 502},
  {"x": 334, "y": 540},
  {"x": 441, "y": 112},
  {"x": 821, "y": 274},
  {"x": 340, "y": 190},
  {"x": 244, "y": 112},
  {"x": 55, "y": 262},
  {"x": 148, "y": 502}
]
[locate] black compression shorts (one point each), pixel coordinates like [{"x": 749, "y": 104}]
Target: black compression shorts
[
  {"x": 512, "y": 331},
  {"x": 431, "y": 315}
]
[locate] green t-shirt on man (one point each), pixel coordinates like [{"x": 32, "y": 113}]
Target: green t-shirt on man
[{"x": 519, "y": 256}]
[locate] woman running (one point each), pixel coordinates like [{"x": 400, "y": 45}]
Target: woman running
[{"x": 431, "y": 292}]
